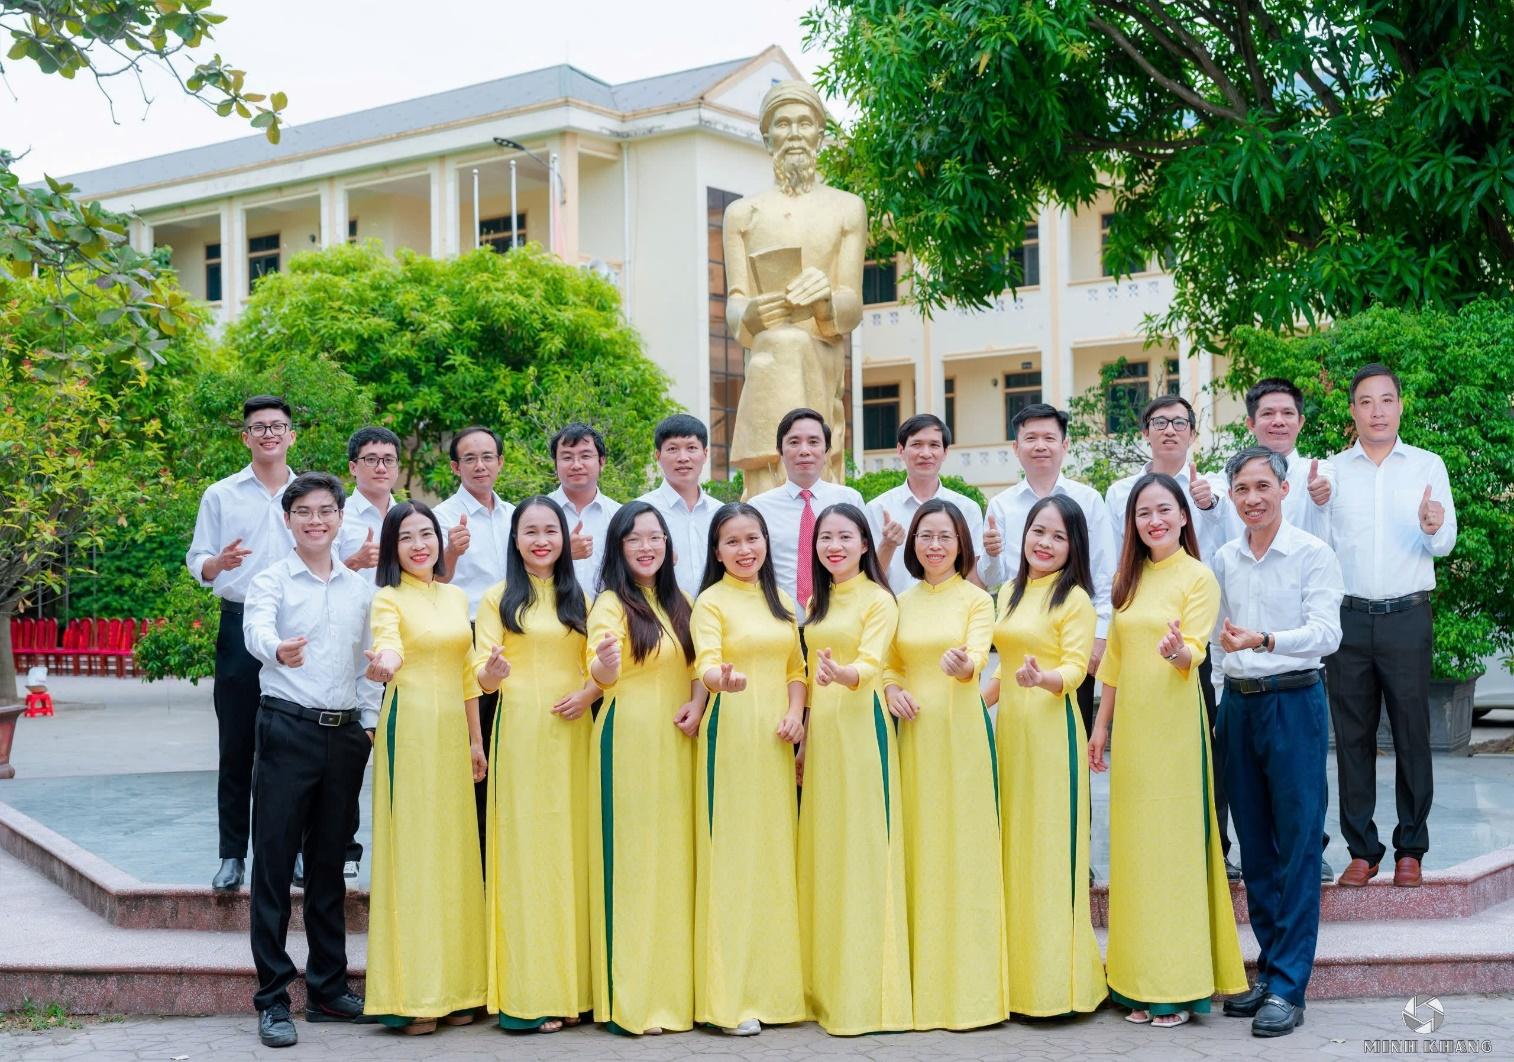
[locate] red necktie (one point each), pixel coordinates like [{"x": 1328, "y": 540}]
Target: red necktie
[{"x": 806, "y": 548}]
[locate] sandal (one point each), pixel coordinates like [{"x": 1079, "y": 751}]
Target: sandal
[
  {"x": 1171, "y": 1021},
  {"x": 551, "y": 1025},
  {"x": 1138, "y": 1017},
  {"x": 419, "y": 1028},
  {"x": 462, "y": 1017}
]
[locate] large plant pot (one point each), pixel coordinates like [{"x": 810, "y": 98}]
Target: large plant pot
[
  {"x": 9, "y": 713},
  {"x": 1450, "y": 719}
]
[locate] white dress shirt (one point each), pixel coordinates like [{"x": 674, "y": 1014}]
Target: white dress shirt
[
  {"x": 596, "y": 520},
  {"x": 782, "y": 507},
  {"x": 239, "y": 507},
  {"x": 1374, "y": 520},
  {"x": 358, "y": 518},
  {"x": 902, "y": 505},
  {"x": 1293, "y": 593},
  {"x": 489, "y": 545},
  {"x": 1298, "y": 508},
  {"x": 1208, "y": 524},
  {"x": 690, "y": 529},
  {"x": 288, "y": 600},
  {"x": 1010, "y": 508}
]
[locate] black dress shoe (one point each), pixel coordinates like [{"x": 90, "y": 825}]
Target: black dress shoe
[
  {"x": 276, "y": 1027},
  {"x": 299, "y": 870},
  {"x": 1277, "y": 1017},
  {"x": 345, "y": 1007},
  {"x": 1326, "y": 874},
  {"x": 229, "y": 876},
  {"x": 1247, "y": 1003}
]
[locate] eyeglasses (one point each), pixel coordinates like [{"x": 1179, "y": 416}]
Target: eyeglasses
[
  {"x": 375, "y": 461},
  {"x": 325, "y": 512},
  {"x": 474, "y": 460},
  {"x": 651, "y": 541},
  {"x": 930, "y": 538},
  {"x": 1163, "y": 423},
  {"x": 276, "y": 429}
]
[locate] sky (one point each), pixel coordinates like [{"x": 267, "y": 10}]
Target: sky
[{"x": 336, "y": 56}]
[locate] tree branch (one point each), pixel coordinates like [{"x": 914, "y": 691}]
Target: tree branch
[
  {"x": 1192, "y": 49},
  {"x": 1177, "y": 88},
  {"x": 1151, "y": 150},
  {"x": 1247, "y": 44},
  {"x": 1306, "y": 71}
]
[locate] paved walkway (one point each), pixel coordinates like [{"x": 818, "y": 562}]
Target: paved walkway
[{"x": 1335, "y": 1029}]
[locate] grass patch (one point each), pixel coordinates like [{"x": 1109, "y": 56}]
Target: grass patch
[{"x": 37, "y": 1017}]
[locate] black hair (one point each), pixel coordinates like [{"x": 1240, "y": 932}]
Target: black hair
[
  {"x": 803, "y": 413},
  {"x": 922, "y": 422},
  {"x": 678, "y": 426},
  {"x": 257, "y": 402},
  {"x": 615, "y": 577},
  {"x": 1038, "y": 411},
  {"x": 520, "y": 594},
  {"x": 1162, "y": 402},
  {"x": 1128, "y": 576},
  {"x": 367, "y": 437},
  {"x": 1078, "y": 571},
  {"x": 577, "y": 432},
  {"x": 767, "y": 579},
  {"x": 473, "y": 429},
  {"x": 1366, "y": 372},
  {"x": 1272, "y": 385},
  {"x": 389, "y": 570},
  {"x": 309, "y": 482},
  {"x": 820, "y": 576},
  {"x": 966, "y": 558}
]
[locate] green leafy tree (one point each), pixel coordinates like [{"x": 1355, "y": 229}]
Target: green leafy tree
[
  {"x": 82, "y": 248},
  {"x": 1293, "y": 159},
  {"x": 519, "y": 342},
  {"x": 1458, "y": 382}
]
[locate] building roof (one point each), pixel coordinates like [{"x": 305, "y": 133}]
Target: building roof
[{"x": 534, "y": 88}]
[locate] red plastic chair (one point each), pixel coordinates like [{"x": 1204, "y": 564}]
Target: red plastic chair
[{"x": 112, "y": 650}]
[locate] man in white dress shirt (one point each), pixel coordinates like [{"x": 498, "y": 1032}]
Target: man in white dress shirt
[
  {"x": 1391, "y": 517},
  {"x": 1280, "y": 595},
  {"x": 1039, "y": 438},
  {"x": 307, "y": 622},
  {"x": 239, "y": 531},
  {"x": 476, "y": 532},
  {"x": 682, "y": 444},
  {"x": 804, "y": 440},
  {"x": 373, "y": 461},
  {"x": 1170, "y": 426},
  {"x": 923, "y": 441},
  {"x": 578, "y": 455}
]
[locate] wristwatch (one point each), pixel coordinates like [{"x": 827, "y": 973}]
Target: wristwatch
[{"x": 1263, "y": 646}]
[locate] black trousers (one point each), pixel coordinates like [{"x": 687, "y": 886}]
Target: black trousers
[
  {"x": 1383, "y": 660},
  {"x": 487, "y": 704},
  {"x": 1221, "y": 800},
  {"x": 306, "y": 786},
  {"x": 236, "y": 701}
]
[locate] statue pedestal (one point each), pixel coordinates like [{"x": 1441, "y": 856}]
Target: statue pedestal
[{"x": 9, "y": 713}]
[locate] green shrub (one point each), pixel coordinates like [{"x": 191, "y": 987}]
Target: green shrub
[{"x": 872, "y": 484}]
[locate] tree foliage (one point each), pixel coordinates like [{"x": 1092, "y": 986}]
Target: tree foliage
[
  {"x": 1295, "y": 159},
  {"x": 82, "y": 248},
  {"x": 1458, "y": 385},
  {"x": 519, "y": 342}
]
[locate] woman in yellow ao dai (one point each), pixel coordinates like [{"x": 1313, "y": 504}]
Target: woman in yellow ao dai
[
  {"x": 950, "y": 780},
  {"x": 853, "y": 915},
  {"x": 747, "y": 966},
  {"x": 1044, "y": 635},
  {"x": 529, "y": 641}
]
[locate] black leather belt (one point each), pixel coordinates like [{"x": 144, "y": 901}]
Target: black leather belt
[
  {"x": 1288, "y": 680},
  {"x": 313, "y": 715},
  {"x": 1385, "y": 606},
  {"x": 233, "y": 607}
]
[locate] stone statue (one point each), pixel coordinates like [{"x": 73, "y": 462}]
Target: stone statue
[{"x": 793, "y": 260}]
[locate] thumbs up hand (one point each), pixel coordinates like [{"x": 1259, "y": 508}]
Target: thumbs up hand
[
  {"x": 1432, "y": 514},
  {"x": 993, "y": 538},
  {"x": 366, "y": 555},
  {"x": 1319, "y": 486},
  {"x": 291, "y": 651},
  {"x": 1171, "y": 644},
  {"x": 582, "y": 544},
  {"x": 1199, "y": 489},
  {"x": 458, "y": 538},
  {"x": 893, "y": 531}
]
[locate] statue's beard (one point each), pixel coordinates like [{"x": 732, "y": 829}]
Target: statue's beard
[{"x": 795, "y": 174}]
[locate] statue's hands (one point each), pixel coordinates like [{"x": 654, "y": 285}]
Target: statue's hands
[
  {"x": 766, "y": 311},
  {"x": 810, "y": 286}
]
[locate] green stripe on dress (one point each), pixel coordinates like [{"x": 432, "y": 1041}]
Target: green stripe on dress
[
  {"x": 993, "y": 754},
  {"x": 709, "y": 762},
  {"x": 880, "y": 728},
  {"x": 1072, "y": 800},
  {"x": 394, "y": 711},
  {"x": 607, "y": 843}
]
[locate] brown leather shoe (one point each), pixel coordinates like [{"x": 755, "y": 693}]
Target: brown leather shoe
[
  {"x": 1357, "y": 874},
  {"x": 1406, "y": 873}
]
